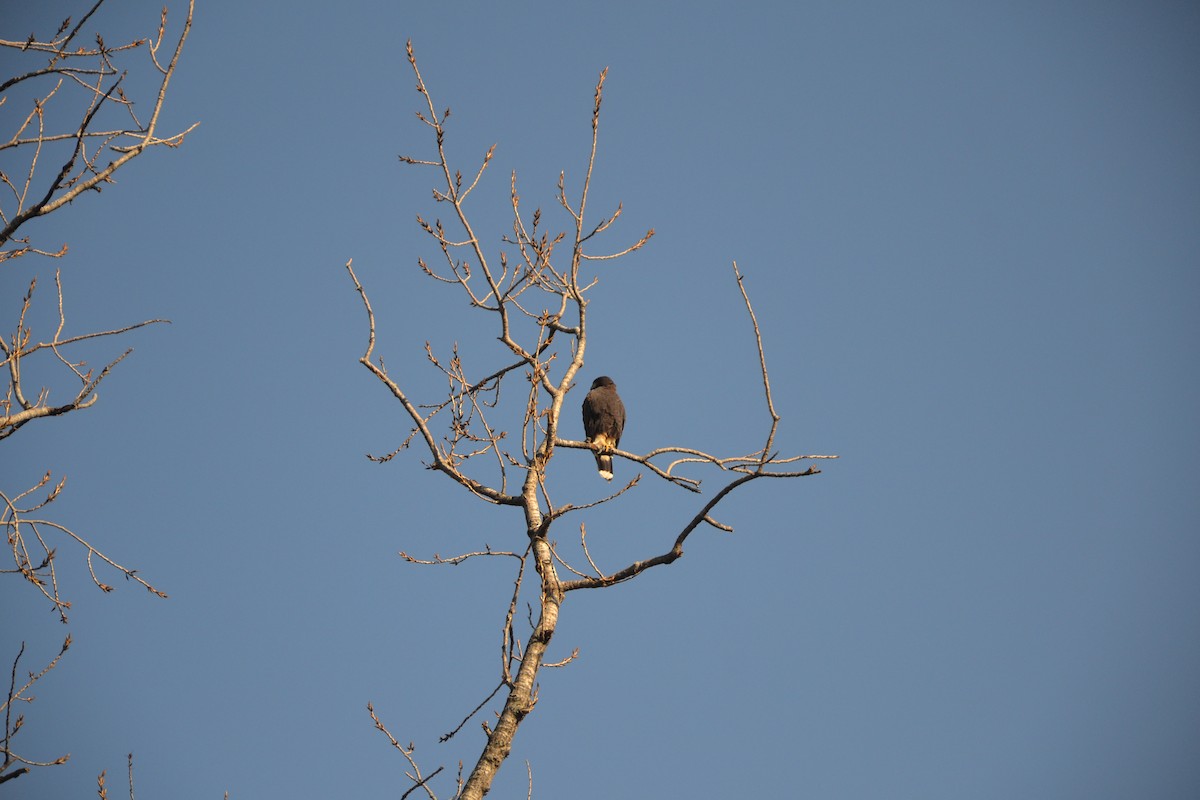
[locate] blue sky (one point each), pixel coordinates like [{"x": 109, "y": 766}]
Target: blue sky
[{"x": 970, "y": 232}]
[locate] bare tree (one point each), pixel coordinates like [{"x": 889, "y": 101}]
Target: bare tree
[
  {"x": 75, "y": 127},
  {"x": 537, "y": 296}
]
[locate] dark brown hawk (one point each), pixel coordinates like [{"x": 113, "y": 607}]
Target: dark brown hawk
[{"x": 603, "y": 421}]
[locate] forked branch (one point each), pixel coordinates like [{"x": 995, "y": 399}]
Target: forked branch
[
  {"x": 34, "y": 555},
  {"x": 20, "y": 405}
]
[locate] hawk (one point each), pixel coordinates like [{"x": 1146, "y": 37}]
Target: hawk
[{"x": 603, "y": 421}]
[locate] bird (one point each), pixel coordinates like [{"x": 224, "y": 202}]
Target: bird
[{"x": 603, "y": 422}]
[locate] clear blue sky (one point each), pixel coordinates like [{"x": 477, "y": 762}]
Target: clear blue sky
[{"x": 972, "y": 234}]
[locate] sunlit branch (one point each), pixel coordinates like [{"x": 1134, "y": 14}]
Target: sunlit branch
[
  {"x": 16, "y": 408},
  {"x": 80, "y": 172},
  {"x": 762, "y": 360},
  {"x": 415, "y": 776},
  {"x": 440, "y": 461},
  {"x": 638, "y": 567}
]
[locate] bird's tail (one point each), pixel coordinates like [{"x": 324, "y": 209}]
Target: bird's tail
[{"x": 604, "y": 466}]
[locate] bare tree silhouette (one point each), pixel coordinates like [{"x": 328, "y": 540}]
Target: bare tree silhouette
[{"x": 536, "y": 291}]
